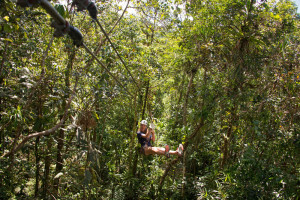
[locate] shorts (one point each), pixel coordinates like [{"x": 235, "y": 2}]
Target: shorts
[{"x": 142, "y": 150}]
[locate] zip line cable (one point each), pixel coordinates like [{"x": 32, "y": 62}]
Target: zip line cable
[
  {"x": 106, "y": 35},
  {"x": 107, "y": 70},
  {"x": 62, "y": 27},
  {"x": 111, "y": 30},
  {"x": 91, "y": 7}
]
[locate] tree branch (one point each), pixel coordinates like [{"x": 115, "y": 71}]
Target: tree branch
[
  {"x": 163, "y": 177},
  {"x": 19, "y": 127},
  {"x": 173, "y": 162},
  {"x": 46, "y": 132}
]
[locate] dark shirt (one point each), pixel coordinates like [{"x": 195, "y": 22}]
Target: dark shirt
[{"x": 144, "y": 141}]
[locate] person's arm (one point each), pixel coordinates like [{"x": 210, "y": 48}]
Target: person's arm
[
  {"x": 144, "y": 135},
  {"x": 147, "y": 134},
  {"x": 141, "y": 135}
]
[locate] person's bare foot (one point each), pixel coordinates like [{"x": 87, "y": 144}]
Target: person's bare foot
[
  {"x": 167, "y": 149},
  {"x": 180, "y": 150}
]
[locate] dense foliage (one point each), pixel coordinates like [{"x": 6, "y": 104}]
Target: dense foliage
[{"x": 219, "y": 76}]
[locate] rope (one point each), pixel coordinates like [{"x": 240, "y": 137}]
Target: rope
[
  {"x": 116, "y": 79},
  {"x": 92, "y": 9},
  {"x": 150, "y": 112},
  {"x": 106, "y": 35},
  {"x": 62, "y": 27},
  {"x": 111, "y": 30}
]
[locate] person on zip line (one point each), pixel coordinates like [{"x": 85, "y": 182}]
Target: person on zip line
[{"x": 146, "y": 135}]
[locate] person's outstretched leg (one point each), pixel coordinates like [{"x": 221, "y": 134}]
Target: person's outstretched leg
[
  {"x": 158, "y": 151},
  {"x": 154, "y": 150},
  {"x": 173, "y": 152}
]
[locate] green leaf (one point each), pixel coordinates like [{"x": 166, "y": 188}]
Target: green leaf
[
  {"x": 61, "y": 10},
  {"x": 7, "y": 39},
  {"x": 6, "y": 18},
  {"x": 7, "y": 28}
]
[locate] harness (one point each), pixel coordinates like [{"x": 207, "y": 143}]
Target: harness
[{"x": 145, "y": 142}]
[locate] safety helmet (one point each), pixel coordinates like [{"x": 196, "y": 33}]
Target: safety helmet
[{"x": 144, "y": 122}]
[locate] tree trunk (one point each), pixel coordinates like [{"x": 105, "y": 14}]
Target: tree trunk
[
  {"x": 226, "y": 144},
  {"x": 177, "y": 110},
  {"x": 184, "y": 179},
  {"x": 179, "y": 100},
  {"x": 94, "y": 138},
  {"x": 132, "y": 149},
  {"x": 4, "y": 54},
  {"x": 47, "y": 167},
  {"x": 183, "y": 175},
  {"x": 59, "y": 158},
  {"x": 61, "y": 135},
  {"x": 37, "y": 165},
  {"x": 228, "y": 136},
  {"x": 187, "y": 97},
  {"x": 39, "y": 127},
  {"x": 1, "y": 132},
  {"x": 174, "y": 161}
]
